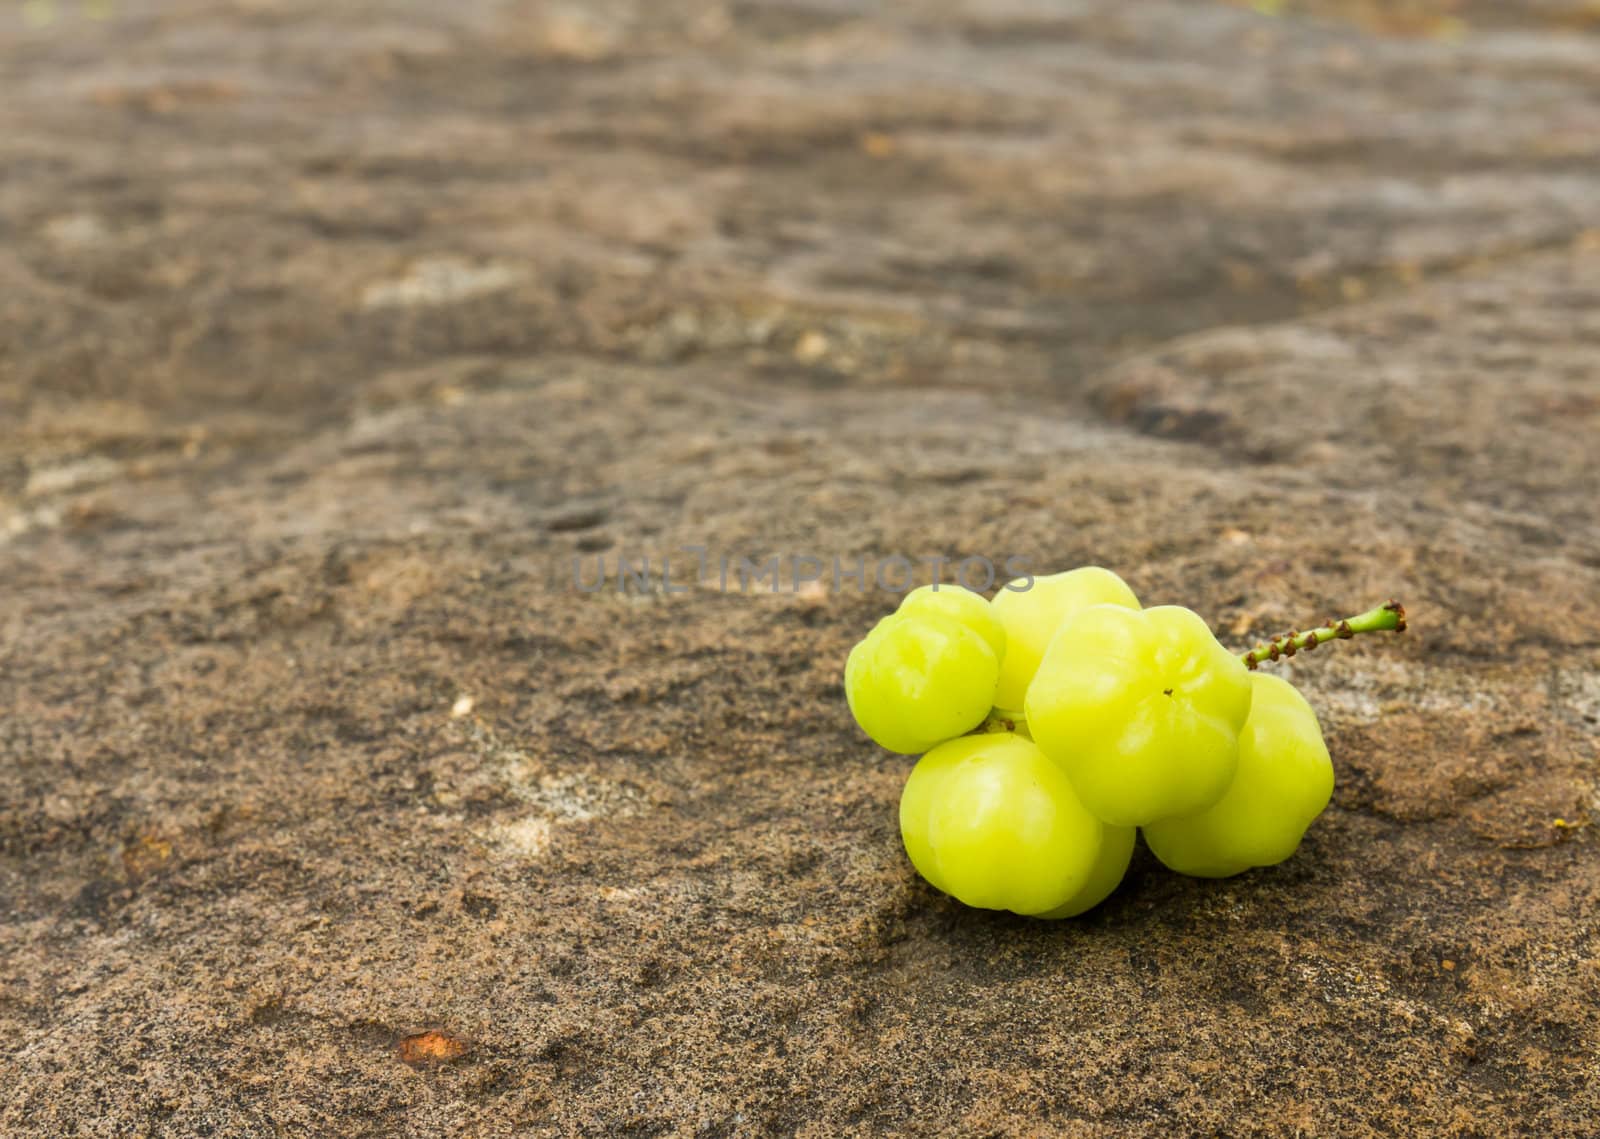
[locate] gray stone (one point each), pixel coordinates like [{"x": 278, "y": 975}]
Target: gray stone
[{"x": 334, "y": 333}]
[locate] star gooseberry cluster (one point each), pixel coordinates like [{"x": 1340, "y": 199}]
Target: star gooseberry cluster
[{"x": 1058, "y": 720}]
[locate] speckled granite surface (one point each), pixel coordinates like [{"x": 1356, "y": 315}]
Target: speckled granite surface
[{"x": 330, "y": 334}]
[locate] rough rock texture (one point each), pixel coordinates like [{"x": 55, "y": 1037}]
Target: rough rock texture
[{"x": 331, "y": 333}]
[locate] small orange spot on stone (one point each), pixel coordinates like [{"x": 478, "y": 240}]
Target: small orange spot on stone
[
  {"x": 878, "y": 145},
  {"x": 432, "y": 1047},
  {"x": 811, "y": 347},
  {"x": 143, "y": 855},
  {"x": 1448, "y": 966}
]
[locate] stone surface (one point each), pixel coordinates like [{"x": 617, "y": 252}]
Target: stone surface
[{"x": 332, "y": 333}]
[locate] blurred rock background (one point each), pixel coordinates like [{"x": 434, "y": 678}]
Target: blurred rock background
[{"x": 331, "y": 333}]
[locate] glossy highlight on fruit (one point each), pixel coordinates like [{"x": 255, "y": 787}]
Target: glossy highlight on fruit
[
  {"x": 1031, "y": 617},
  {"x": 1143, "y": 709},
  {"x": 1284, "y": 781},
  {"x": 961, "y": 605},
  {"x": 927, "y": 672},
  {"x": 993, "y": 821}
]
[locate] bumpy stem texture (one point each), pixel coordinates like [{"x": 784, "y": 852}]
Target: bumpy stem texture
[{"x": 1388, "y": 616}]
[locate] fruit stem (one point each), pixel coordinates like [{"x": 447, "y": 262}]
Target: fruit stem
[{"x": 1388, "y": 616}]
